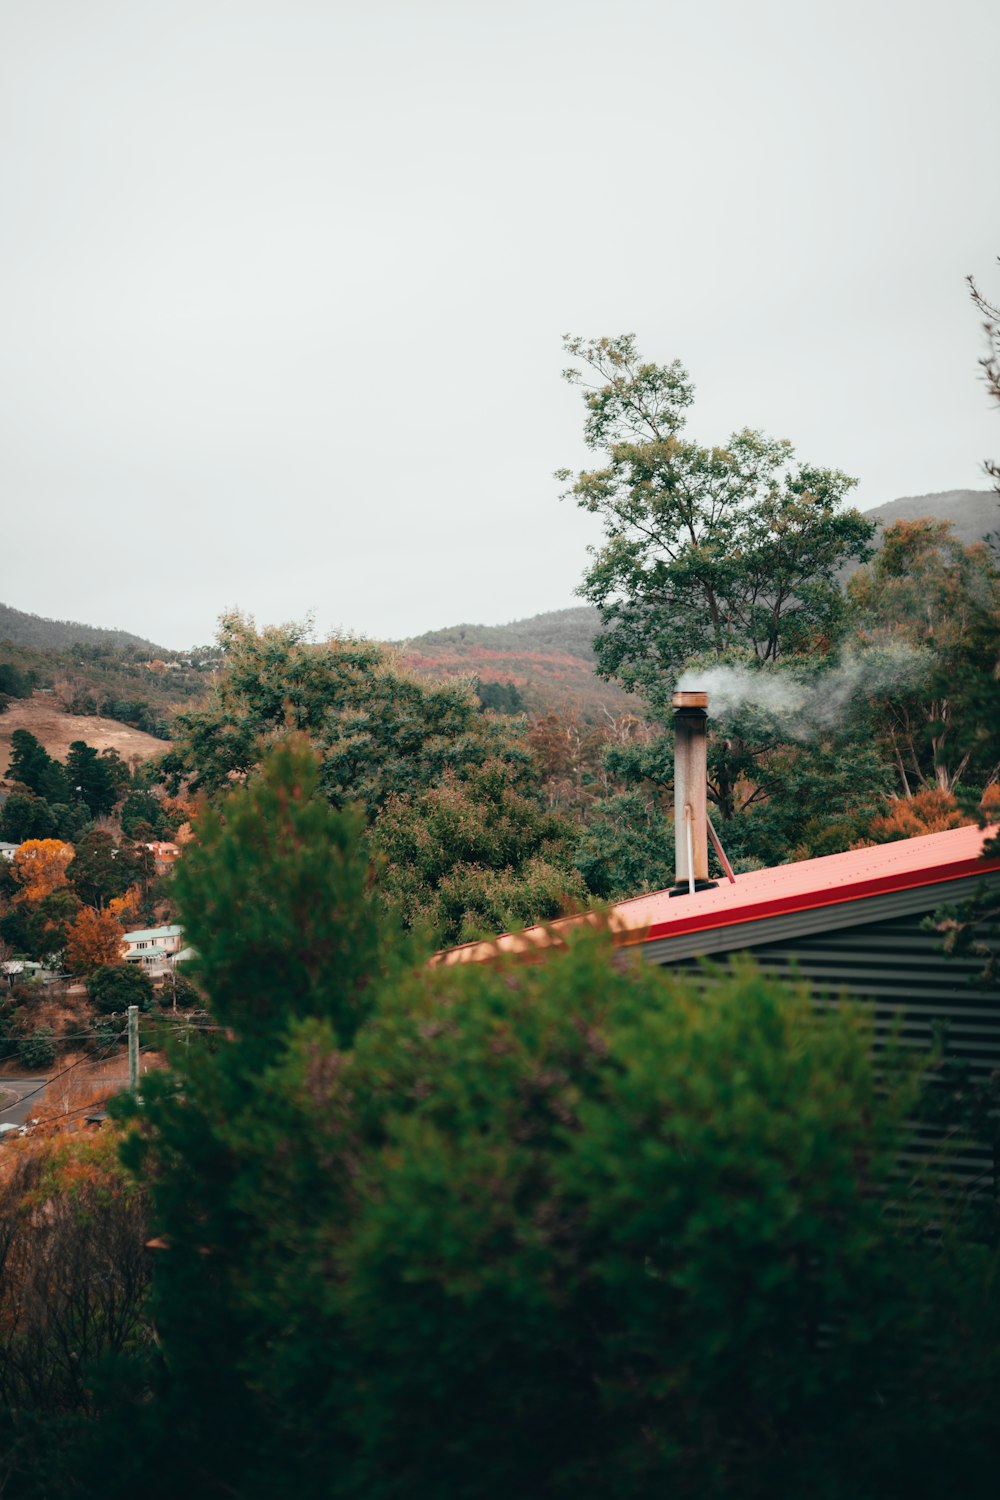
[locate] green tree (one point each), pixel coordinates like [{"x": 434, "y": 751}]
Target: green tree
[
  {"x": 475, "y": 855},
  {"x": 72, "y": 821},
  {"x": 507, "y": 1229},
  {"x": 24, "y": 816},
  {"x": 47, "y": 924},
  {"x": 627, "y": 846},
  {"x": 37, "y": 1049},
  {"x": 13, "y": 682},
  {"x": 29, "y": 760},
  {"x": 500, "y": 697},
  {"x": 715, "y": 558},
  {"x": 141, "y": 810},
  {"x": 114, "y": 987},
  {"x": 33, "y": 767},
  {"x": 379, "y": 731},
  {"x": 925, "y": 589},
  {"x": 707, "y": 550},
  {"x": 96, "y": 871},
  {"x": 403, "y": 749},
  {"x": 92, "y": 778},
  {"x": 305, "y": 941}
]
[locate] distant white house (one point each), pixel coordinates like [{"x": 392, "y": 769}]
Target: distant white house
[
  {"x": 152, "y": 948},
  {"x": 7, "y": 851}
]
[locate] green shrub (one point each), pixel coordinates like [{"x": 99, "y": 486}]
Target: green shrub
[
  {"x": 114, "y": 987},
  {"x": 566, "y": 1229},
  {"x": 38, "y": 1049},
  {"x": 108, "y": 1032}
]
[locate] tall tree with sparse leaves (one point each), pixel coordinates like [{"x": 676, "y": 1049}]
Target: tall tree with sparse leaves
[{"x": 707, "y": 550}]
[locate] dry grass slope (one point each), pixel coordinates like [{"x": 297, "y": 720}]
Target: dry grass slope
[{"x": 42, "y": 717}]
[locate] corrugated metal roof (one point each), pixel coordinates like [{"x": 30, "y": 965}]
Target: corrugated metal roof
[
  {"x": 813, "y": 882},
  {"x": 809, "y": 884},
  {"x": 150, "y": 934}
]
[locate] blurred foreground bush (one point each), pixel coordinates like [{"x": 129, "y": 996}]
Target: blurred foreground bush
[{"x": 573, "y": 1228}]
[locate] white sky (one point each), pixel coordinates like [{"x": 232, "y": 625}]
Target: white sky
[{"x": 282, "y": 282}]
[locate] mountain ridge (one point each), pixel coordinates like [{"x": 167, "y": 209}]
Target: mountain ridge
[
  {"x": 22, "y": 628},
  {"x": 973, "y": 514},
  {"x": 548, "y": 656}
]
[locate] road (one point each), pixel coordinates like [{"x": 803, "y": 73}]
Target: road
[{"x": 15, "y": 1112}]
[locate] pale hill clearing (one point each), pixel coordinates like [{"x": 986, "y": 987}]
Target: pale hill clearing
[{"x": 42, "y": 717}]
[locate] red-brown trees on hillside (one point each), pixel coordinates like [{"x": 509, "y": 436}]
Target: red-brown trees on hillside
[{"x": 95, "y": 938}]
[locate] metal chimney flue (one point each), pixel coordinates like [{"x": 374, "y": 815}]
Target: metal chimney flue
[{"x": 690, "y": 794}]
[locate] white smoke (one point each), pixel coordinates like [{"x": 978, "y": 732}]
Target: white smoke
[{"x": 803, "y": 704}]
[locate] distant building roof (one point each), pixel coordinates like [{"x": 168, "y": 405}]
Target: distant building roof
[
  {"x": 811, "y": 885},
  {"x": 150, "y": 934}
]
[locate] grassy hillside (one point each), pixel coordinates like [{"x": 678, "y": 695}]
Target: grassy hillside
[
  {"x": 42, "y": 716},
  {"x": 548, "y": 657},
  {"x": 127, "y": 684}
]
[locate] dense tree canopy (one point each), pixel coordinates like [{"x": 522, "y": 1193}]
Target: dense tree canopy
[
  {"x": 115, "y": 986},
  {"x": 379, "y": 730},
  {"x": 25, "y": 816},
  {"x": 451, "y": 794},
  {"x": 476, "y": 854},
  {"x": 95, "y": 778},
  {"x": 926, "y": 589}
]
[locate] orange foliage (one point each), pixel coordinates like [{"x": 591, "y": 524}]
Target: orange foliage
[
  {"x": 991, "y": 801},
  {"x": 183, "y": 807},
  {"x": 40, "y": 868},
  {"x": 127, "y": 907},
  {"x": 930, "y": 811},
  {"x": 95, "y": 938}
]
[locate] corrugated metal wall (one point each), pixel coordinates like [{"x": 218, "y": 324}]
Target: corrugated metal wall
[{"x": 901, "y": 970}]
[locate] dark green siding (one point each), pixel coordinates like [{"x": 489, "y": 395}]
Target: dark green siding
[{"x": 901, "y": 970}]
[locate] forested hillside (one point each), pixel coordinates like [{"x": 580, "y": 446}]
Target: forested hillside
[
  {"x": 125, "y": 683},
  {"x": 569, "y": 631},
  {"x": 972, "y": 514},
  {"x": 34, "y": 630}
]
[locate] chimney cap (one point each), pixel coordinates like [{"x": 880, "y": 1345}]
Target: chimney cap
[{"x": 690, "y": 700}]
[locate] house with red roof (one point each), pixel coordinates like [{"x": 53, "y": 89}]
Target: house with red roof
[{"x": 857, "y": 925}]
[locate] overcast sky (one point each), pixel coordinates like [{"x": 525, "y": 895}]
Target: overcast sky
[{"x": 282, "y": 282}]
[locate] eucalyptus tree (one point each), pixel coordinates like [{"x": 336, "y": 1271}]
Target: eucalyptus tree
[
  {"x": 708, "y": 551},
  {"x": 728, "y": 554}
]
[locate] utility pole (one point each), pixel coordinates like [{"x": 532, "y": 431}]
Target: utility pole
[{"x": 133, "y": 1047}]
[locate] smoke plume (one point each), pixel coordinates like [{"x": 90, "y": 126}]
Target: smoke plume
[{"x": 801, "y": 705}]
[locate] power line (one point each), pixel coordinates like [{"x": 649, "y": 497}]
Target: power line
[{"x": 56, "y": 1076}]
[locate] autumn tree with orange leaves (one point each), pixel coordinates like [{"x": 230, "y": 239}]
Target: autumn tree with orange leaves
[
  {"x": 40, "y": 868},
  {"x": 95, "y": 938}
]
